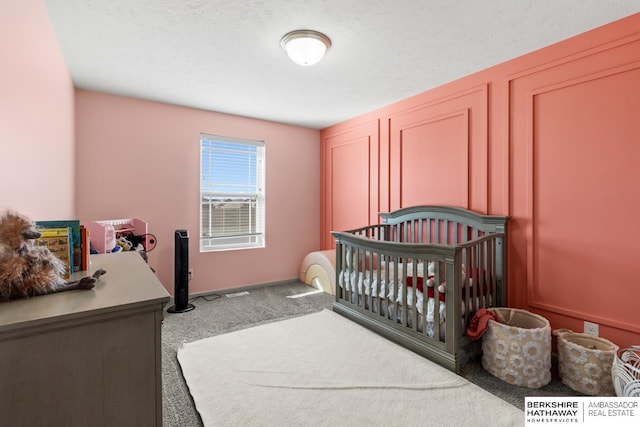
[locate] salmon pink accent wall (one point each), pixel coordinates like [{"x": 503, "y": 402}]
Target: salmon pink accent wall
[
  {"x": 424, "y": 170},
  {"x": 142, "y": 159},
  {"x": 449, "y": 185},
  {"x": 350, "y": 160},
  {"x": 550, "y": 139},
  {"x": 36, "y": 115},
  {"x": 575, "y": 132}
]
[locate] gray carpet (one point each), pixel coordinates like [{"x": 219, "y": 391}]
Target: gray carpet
[{"x": 265, "y": 305}]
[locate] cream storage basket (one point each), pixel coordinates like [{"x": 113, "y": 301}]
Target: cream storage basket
[
  {"x": 517, "y": 349},
  {"x": 584, "y": 362},
  {"x": 625, "y": 372}
]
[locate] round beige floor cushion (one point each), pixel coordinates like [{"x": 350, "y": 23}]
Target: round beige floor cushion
[{"x": 517, "y": 349}]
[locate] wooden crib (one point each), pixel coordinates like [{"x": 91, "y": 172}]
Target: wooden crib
[{"x": 419, "y": 276}]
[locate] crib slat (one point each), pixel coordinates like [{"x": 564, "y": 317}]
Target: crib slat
[
  {"x": 469, "y": 279},
  {"x": 438, "y": 279},
  {"x": 413, "y": 310},
  {"x": 403, "y": 302},
  {"x": 393, "y": 288},
  {"x": 490, "y": 298},
  {"x": 456, "y": 225},
  {"x": 349, "y": 266},
  {"x": 414, "y": 238},
  {"x": 369, "y": 283},
  {"x": 480, "y": 283},
  {"x": 358, "y": 277},
  {"x": 378, "y": 269},
  {"x": 386, "y": 308},
  {"x": 422, "y": 320},
  {"x": 447, "y": 234}
]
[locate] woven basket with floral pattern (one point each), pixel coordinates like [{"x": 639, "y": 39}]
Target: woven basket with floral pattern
[
  {"x": 517, "y": 348},
  {"x": 584, "y": 362}
]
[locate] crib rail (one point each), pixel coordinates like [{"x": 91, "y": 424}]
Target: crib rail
[
  {"x": 445, "y": 214},
  {"x": 419, "y": 277},
  {"x": 375, "y": 232}
]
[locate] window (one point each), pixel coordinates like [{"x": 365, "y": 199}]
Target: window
[{"x": 231, "y": 193}]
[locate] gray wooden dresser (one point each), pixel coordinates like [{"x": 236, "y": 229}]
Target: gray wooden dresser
[{"x": 86, "y": 358}]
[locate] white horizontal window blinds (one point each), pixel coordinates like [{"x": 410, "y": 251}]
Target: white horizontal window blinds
[{"x": 232, "y": 203}]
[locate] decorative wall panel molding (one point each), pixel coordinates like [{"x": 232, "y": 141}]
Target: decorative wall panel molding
[
  {"x": 439, "y": 152},
  {"x": 434, "y": 161},
  {"x": 350, "y": 184},
  {"x": 574, "y": 185}
]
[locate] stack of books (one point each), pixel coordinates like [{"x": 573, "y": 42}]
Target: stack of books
[{"x": 68, "y": 241}]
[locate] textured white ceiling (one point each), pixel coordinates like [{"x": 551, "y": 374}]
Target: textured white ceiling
[{"x": 225, "y": 55}]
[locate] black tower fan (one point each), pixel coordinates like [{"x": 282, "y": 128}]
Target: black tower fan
[{"x": 181, "y": 274}]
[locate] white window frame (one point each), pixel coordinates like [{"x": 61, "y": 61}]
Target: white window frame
[{"x": 216, "y": 192}]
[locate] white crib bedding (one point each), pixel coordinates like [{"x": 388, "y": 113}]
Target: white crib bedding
[
  {"x": 366, "y": 282},
  {"x": 370, "y": 283}
]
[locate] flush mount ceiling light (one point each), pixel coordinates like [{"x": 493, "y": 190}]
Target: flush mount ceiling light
[{"x": 305, "y": 47}]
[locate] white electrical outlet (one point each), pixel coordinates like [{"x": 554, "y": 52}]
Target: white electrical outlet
[{"x": 591, "y": 329}]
